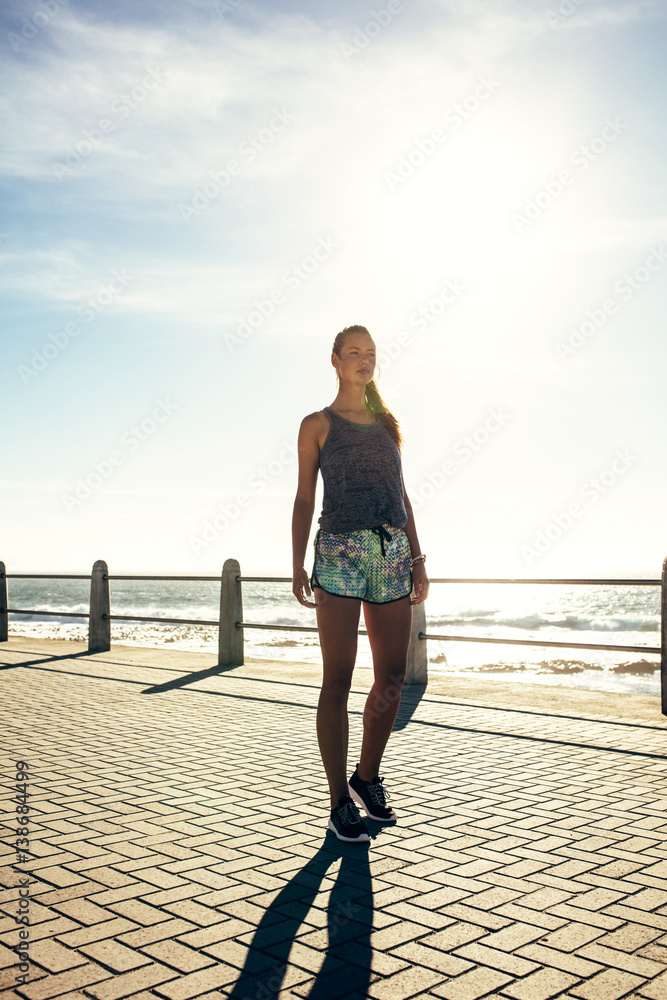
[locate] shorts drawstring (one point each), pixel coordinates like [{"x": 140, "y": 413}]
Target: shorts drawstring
[{"x": 383, "y": 535}]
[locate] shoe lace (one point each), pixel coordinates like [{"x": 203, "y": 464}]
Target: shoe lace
[
  {"x": 379, "y": 795},
  {"x": 349, "y": 814}
]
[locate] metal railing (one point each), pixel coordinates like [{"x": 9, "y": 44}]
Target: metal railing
[{"x": 231, "y": 624}]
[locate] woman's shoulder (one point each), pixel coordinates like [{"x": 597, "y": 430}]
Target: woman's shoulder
[
  {"x": 314, "y": 423},
  {"x": 316, "y": 417}
]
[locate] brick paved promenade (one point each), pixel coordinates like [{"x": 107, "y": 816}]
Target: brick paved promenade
[{"x": 180, "y": 851}]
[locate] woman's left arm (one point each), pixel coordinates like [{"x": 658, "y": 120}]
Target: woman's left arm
[{"x": 419, "y": 575}]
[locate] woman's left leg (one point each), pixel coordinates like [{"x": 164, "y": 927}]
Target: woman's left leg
[{"x": 389, "y": 627}]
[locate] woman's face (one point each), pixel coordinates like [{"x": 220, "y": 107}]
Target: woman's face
[{"x": 356, "y": 363}]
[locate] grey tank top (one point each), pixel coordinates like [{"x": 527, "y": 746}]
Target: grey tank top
[{"x": 361, "y": 472}]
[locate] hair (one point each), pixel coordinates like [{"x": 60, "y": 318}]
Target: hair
[{"x": 373, "y": 401}]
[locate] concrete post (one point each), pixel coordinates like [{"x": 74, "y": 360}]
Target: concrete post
[
  {"x": 4, "y": 625},
  {"x": 663, "y": 639},
  {"x": 230, "y": 638},
  {"x": 417, "y": 662},
  {"x": 99, "y": 627}
]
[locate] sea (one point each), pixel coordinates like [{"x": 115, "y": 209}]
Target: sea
[{"x": 614, "y": 614}]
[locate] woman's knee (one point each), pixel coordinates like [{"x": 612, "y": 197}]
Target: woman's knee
[
  {"x": 392, "y": 679},
  {"x": 336, "y": 686}
]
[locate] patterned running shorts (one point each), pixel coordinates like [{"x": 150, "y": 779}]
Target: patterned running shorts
[{"x": 372, "y": 565}]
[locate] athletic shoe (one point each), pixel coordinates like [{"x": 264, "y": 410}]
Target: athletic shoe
[
  {"x": 373, "y": 797},
  {"x": 346, "y": 822}
]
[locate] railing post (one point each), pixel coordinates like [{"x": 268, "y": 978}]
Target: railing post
[
  {"x": 4, "y": 626},
  {"x": 663, "y": 639},
  {"x": 99, "y": 627},
  {"x": 230, "y": 638},
  {"x": 417, "y": 672}
]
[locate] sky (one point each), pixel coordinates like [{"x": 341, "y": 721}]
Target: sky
[{"x": 197, "y": 196}]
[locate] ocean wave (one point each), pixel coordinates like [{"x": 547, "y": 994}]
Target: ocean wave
[{"x": 532, "y": 622}]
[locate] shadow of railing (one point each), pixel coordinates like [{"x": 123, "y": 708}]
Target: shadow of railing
[{"x": 346, "y": 969}]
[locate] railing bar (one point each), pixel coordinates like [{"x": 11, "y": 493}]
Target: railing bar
[
  {"x": 84, "y": 576},
  {"x": 164, "y": 621},
  {"x": 64, "y": 614},
  {"x": 287, "y": 628},
  {"x": 47, "y": 576},
  {"x": 619, "y": 583},
  {"x": 543, "y": 642},
  {"x": 288, "y": 579},
  {"x": 447, "y": 579},
  {"x": 216, "y": 579}
]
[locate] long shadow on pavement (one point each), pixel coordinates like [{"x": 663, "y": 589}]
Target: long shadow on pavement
[
  {"x": 411, "y": 695},
  {"x": 346, "y": 969}
]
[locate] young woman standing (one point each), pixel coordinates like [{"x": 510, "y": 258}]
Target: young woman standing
[{"x": 366, "y": 551}]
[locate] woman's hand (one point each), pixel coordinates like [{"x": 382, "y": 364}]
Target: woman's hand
[
  {"x": 301, "y": 582},
  {"x": 421, "y": 583}
]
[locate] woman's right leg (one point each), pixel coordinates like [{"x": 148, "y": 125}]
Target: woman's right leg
[{"x": 338, "y": 623}]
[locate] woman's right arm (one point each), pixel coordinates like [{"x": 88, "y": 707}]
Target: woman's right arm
[{"x": 304, "y": 504}]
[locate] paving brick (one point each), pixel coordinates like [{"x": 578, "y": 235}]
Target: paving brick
[
  {"x": 514, "y": 911},
  {"x": 84, "y": 976},
  {"x": 544, "y": 899},
  {"x": 454, "y": 936},
  {"x": 491, "y": 898},
  {"x": 418, "y": 954},
  {"x": 512, "y": 937},
  {"x": 469, "y": 914},
  {"x": 621, "y": 960},
  {"x": 409, "y": 983},
  {"x": 195, "y": 913},
  {"x": 54, "y": 956},
  {"x": 572, "y": 936},
  {"x": 397, "y": 934},
  {"x": 471, "y": 985},
  {"x": 130, "y": 983},
  {"x": 565, "y": 961},
  {"x": 608, "y": 985},
  {"x": 597, "y": 899},
  {"x": 656, "y": 989},
  {"x": 82, "y": 910},
  {"x": 495, "y": 959},
  {"x": 95, "y": 932},
  {"x": 137, "y": 912},
  {"x": 196, "y": 983},
  {"x": 114, "y": 956},
  {"x": 540, "y": 985}
]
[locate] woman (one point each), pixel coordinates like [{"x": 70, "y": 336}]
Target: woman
[{"x": 366, "y": 551}]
